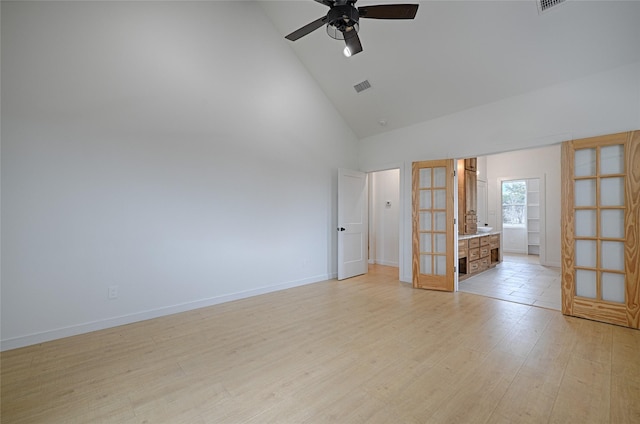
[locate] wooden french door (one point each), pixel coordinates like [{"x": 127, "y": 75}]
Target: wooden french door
[
  {"x": 601, "y": 228},
  {"x": 432, "y": 200}
]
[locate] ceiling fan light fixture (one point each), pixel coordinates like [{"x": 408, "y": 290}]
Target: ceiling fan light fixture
[
  {"x": 342, "y": 22},
  {"x": 344, "y": 33}
]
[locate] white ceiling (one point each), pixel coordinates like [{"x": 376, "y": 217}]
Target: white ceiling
[{"x": 458, "y": 54}]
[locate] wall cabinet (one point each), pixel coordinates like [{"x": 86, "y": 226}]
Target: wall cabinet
[
  {"x": 467, "y": 196},
  {"x": 477, "y": 254},
  {"x": 471, "y": 164}
]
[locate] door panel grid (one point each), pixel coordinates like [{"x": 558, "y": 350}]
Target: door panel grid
[
  {"x": 601, "y": 232},
  {"x": 599, "y": 188},
  {"x": 433, "y": 224},
  {"x": 432, "y": 187}
]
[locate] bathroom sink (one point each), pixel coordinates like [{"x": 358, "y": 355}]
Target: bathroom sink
[{"x": 484, "y": 229}]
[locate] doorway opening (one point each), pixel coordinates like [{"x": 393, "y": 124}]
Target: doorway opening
[
  {"x": 520, "y": 211},
  {"x": 384, "y": 220},
  {"x": 523, "y": 202}
]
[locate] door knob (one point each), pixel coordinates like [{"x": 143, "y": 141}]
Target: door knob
[{"x": 341, "y": 229}]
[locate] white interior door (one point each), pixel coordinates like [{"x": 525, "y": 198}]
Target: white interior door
[{"x": 353, "y": 224}]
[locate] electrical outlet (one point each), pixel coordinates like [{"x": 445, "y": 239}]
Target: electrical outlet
[{"x": 113, "y": 292}]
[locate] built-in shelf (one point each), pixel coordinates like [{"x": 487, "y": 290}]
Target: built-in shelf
[{"x": 533, "y": 216}]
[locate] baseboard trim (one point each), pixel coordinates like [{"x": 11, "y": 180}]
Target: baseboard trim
[
  {"x": 387, "y": 263},
  {"x": 74, "y": 330},
  {"x": 515, "y": 252}
]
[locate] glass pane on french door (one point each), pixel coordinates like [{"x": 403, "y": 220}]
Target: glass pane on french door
[
  {"x": 601, "y": 228},
  {"x": 432, "y": 190},
  {"x": 599, "y": 204},
  {"x": 432, "y": 216}
]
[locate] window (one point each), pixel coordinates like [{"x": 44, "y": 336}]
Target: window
[{"x": 514, "y": 203}]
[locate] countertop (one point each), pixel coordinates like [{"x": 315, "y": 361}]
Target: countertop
[{"x": 470, "y": 236}]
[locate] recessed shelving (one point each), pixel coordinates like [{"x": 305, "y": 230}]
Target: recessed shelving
[{"x": 533, "y": 216}]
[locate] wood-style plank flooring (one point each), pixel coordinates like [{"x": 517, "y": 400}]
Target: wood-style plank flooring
[{"x": 365, "y": 350}]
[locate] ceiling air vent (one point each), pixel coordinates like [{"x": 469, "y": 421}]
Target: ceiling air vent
[
  {"x": 545, "y": 5},
  {"x": 362, "y": 86}
]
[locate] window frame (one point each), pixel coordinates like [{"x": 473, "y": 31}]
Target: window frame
[{"x": 523, "y": 205}]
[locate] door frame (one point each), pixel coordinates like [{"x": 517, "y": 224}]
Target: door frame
[
  {"x": 372, "y": 218},
  {"x": 402, "y": 210}
]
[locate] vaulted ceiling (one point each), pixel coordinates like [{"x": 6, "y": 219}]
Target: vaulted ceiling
[{"x": 458, "y": 54}]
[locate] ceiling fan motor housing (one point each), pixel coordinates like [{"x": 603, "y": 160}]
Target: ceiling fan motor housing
[{"x": 342, "y": 22}]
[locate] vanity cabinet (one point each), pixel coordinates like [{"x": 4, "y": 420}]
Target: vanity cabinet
[
  {"x": 477, "y": 253},
  {"x": 462, "y": 248}
]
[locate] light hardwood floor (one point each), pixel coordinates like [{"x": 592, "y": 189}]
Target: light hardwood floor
[
  {"x": 365, "y": 350},
  {"x": 521, "y": 279}
]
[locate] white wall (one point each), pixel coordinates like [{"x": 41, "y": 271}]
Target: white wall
[
  {"x": 147, "y": 145},
  {"x": 603, "y": 103},
  {"x": 384, "y": 219},
  {"x": 514, "y": 240}
]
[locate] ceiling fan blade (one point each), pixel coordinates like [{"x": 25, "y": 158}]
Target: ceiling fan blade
[
  {"x": 308, "y": 28},
  {"x": 353, "y": 44},
  {"x": 326, "y": 2},
  {"x": 389, "y": 11}
]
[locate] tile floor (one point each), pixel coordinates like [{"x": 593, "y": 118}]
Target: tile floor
[{"x": 518, "y": 278}]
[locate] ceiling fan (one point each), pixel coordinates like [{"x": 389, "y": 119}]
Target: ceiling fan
[{"x": 343, "y": 17}]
